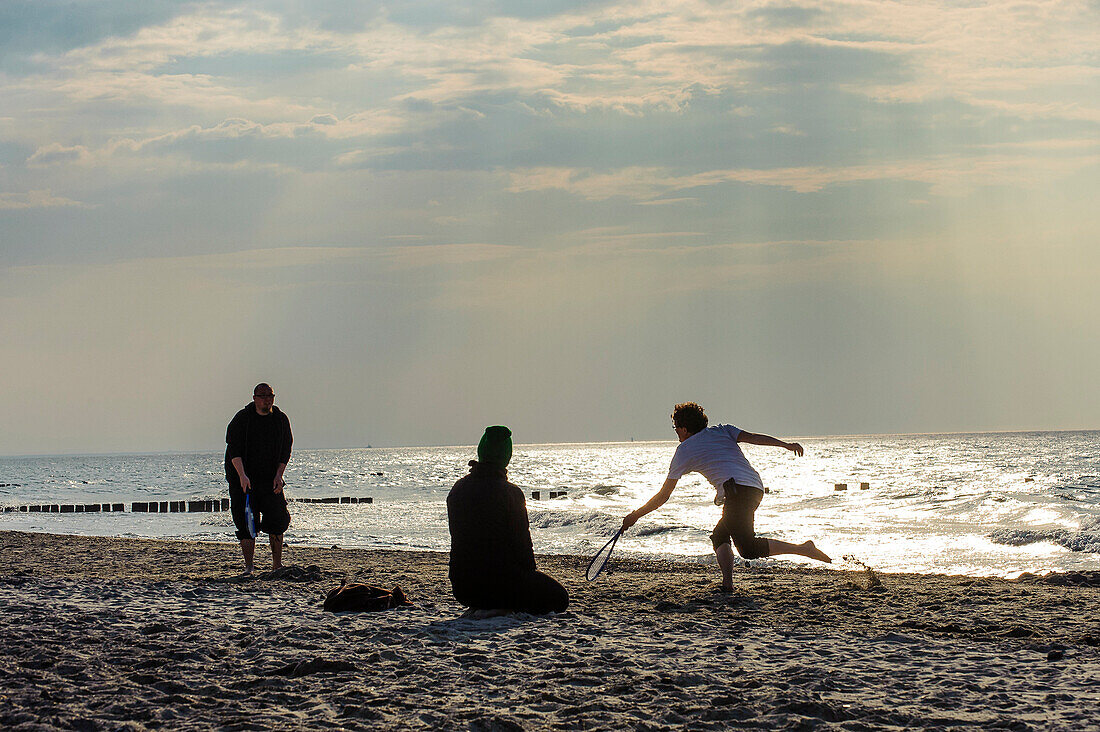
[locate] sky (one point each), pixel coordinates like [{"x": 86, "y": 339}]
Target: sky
[{"x": 415, "y": 219}]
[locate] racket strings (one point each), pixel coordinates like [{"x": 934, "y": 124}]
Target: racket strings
[
  {"x": 250, "y": 518},
  {"x": 600, "y": 560}
]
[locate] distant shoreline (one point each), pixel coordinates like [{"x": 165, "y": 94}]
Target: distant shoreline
[{"x": 518, "y": 445}]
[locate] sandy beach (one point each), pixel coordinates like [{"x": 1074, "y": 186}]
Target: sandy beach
[{"x": 139, "y": 634}]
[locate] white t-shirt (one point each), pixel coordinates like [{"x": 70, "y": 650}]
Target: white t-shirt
[{"x": 715, "y": 454}]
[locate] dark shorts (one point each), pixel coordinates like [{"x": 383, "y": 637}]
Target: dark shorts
[
  {"x": 269, "y": 506},
  {"x": 736, "y": 524}
]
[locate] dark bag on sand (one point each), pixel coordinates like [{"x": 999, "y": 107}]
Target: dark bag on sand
[{"x": 358, "y": 597}]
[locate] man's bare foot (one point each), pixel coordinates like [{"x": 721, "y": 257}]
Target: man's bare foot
[
  {"x": 276, "y": 566},
  {"x": 814, "y": 553}
]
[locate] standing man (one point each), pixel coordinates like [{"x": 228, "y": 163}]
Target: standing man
[
  {"x": 257, "y": 450},
  {"x": 715, "y": 452},
  {"x": 492, "y": 565}
]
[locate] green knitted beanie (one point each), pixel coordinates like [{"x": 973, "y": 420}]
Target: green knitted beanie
[{"x": 495, "y": 447}]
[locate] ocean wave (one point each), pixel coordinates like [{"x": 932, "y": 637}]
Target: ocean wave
[
  {"x": 657, "y": 530},
  {"x": 605, "y": 490},
  {"x": 596, "y": 523},
  {"x": 1086, "y": 540}
]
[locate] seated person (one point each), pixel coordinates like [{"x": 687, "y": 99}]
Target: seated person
[{"x": 492, "y": 561}]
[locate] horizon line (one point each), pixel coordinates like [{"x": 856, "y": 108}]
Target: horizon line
[{"x": 543, "y": 444}]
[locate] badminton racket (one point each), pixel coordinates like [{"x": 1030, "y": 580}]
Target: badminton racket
[{"x": 600, "y": 560}]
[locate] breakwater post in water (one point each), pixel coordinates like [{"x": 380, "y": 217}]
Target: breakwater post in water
[
  {"x": 215, "y": 505},
  {"x": 68, "y": 508},
  {"x": 537, "y": 495}
]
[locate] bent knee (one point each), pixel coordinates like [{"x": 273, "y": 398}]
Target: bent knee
[
  {"x": 556, "y": 604},
  {"x": 275, "y": 525},
  {"x": 561, "y": 602},
  {"x": 751, "y": 547}
]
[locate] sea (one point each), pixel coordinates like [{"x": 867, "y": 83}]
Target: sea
[{"x": 984, "y": 504}]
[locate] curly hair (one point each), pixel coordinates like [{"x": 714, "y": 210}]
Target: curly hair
[{"x": 690, "y": 416}]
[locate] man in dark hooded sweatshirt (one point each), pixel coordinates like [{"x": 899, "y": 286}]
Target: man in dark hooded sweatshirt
[
  {"x": 257, "y": 449},
  {"x": 492, "y": 561}
]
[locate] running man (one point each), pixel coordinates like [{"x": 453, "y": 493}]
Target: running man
[{"x": 715, "y": 452}]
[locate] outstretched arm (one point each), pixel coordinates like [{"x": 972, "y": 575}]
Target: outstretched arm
[
  {"x": 651, "y": 505},
  {"x": 767, "y": 441}
]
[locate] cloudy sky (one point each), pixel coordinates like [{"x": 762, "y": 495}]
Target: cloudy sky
[{"x": 418, "y": 218}]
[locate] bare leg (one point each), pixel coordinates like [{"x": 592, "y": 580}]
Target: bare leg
[
  {"x": 248, "y": 549},
  {"x": 276, "y": 551},
  {"x": 725, "y": 562},
  {"x": 805, "y": 549}
]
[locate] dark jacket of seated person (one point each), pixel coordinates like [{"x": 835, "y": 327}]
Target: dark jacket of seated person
[{"x": 492, "y": 562}]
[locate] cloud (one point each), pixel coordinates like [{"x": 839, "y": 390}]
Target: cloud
[
  {"x": 590, "y": 66},
  {"x": 56, "y": 153},
  {"x": 825, "y": 63},
  {"x": 317, "y": 124},
  {"x": 633, "y": 53},
  {"x": 209, "y": 31},
  {"x": 238, "y": 141},
  {"x": 944, "y": 176},
  {"x": 55, "y": 26},
  {"x": 36, "y": 200},
  {"x": 783, "y": 16}
]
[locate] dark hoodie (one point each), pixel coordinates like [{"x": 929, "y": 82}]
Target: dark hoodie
[
  {"x": 490, "y": 535},
  {"x": 261, "y": 441}
]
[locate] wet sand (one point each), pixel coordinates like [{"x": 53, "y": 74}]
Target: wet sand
[{"x": 138, "y": 634}]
